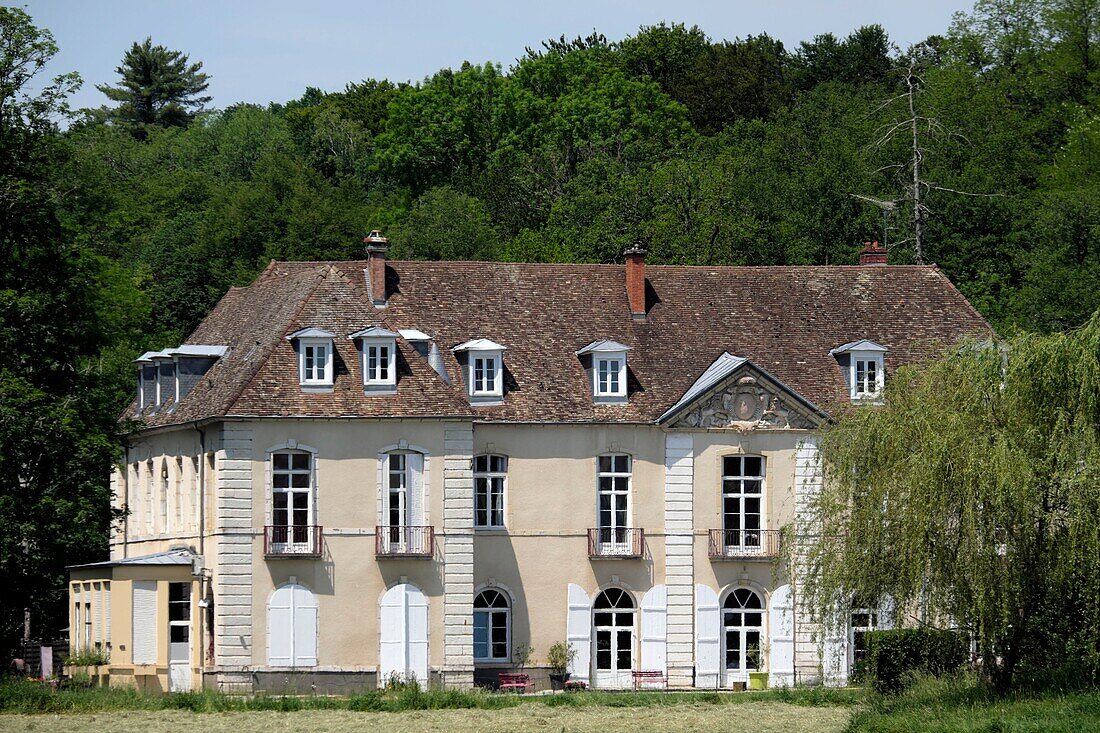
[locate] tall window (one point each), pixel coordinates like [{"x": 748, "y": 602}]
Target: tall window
[
  {"x": 863, "y": 621},
  {"x": 613, "y": 513},
  {"x": 291, "y": 497},
  {"x": 490, "y": 473},
  {"x": 486, "y": 375},
  {"x": 492, "y": 627},
  {"x": 610, "y": 376},
  {"x": 397, "y": 481},
  {"x": 743, "y": 618},
  {"x": 742, "y": 494}
]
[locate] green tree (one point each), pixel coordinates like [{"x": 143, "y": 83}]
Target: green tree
[
  {"x": 972, "y": 498},
  {"x": 447, "y": 225},
  {"x": 55, "y": 420},
  {"x": 159, "y": 87}
]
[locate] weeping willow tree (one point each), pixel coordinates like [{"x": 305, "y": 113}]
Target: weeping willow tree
[{"x": 971, "y": 498}]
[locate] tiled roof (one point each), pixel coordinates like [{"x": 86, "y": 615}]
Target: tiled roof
[{"x": 784, "y": 319}]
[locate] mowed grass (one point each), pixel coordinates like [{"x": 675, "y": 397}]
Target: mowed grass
[
  {"x": 936, "y": 706},
  {"x": 762, "y": 717}
]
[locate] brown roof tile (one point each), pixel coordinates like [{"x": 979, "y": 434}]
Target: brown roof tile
[{"x": 785, "y": 319}]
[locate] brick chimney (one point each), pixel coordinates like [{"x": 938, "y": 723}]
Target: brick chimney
[
  {"x": 872, "y": 253},
  {"x": 376, "y": 266},
  {"x": 635, "y": 281}
]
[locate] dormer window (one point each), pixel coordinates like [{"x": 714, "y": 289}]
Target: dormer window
[
  {"x": 608, "y": 370},
  {"x": 862, "y": 363},
  {"x": 377, "y": 358},
  {"x": 484, "y": 369},
  {"x": 315, "y": 369}
]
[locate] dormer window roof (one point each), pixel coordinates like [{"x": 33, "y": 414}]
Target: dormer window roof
[
  {"x": 862, "y": 363},
  {"x": 412, "y": 335},
  {"x": 377, "y": 358},
  {"x": 311, "y": 333},
  {"x": 315, "y": 367},
  {"x": 608, "y": 370},
  {"x": 484, "y": 370}
]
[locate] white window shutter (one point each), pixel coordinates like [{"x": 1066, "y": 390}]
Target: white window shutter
[
  {"x": 708, "y": 637},
  {"x": 415, "y": 466},
  {"x": 418, "y": 634},
  {"x": 280, "y": 628},
  {"x": 305, "y": 627},
  {"x": 655, "y": 628},
  {"x": 781, "y": 637},
  {"x": 391, "y": 649},
  {"x": 144, "y": 649},
  {"x": 834, "y": 662},
  {"x": 578, "y": 632}
]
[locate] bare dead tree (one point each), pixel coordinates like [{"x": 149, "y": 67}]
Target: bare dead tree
[{"x": 920, "y": 130}]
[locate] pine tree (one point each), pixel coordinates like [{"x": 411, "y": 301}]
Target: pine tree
[{"x": 158, "y": 87}]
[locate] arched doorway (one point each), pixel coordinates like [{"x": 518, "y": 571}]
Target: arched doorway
[
  {"x": 743, "y": 624},
  {"x": 613, "y": 616},
  {"x": 403, "y": 643}
]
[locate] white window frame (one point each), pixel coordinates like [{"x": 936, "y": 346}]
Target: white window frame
[
  {"x": 325, "y": 380},
  {"x": 748, "y": 543},
  {"x": 496, "y": 359},
  {"x": 371, "y": 377},
  {"x": 859, "y": 388},
  {"x": 484, "y": 479},
  {"x": 616, "y": 358},
  {"x": 506, "y": 611},
  {"x": 311, "y": 510},
  {"x": 741, "y": 671},
  {"x": 616, "y": 546}
]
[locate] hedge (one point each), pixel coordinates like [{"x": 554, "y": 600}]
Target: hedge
[{"x": 893, "y": 657}]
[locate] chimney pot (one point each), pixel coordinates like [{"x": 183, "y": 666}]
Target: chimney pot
[
  {"x": 872, "y": 253},
  {"x": 376, "y": 266},
  {"x": 635, "y": 281}
]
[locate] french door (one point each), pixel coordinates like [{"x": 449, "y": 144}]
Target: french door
[
  {"x": 291, "y": 510},
  {"x": 743, "y": 622},
  {"x": 613, "y": 622},
  {"x": 179, "y": 637}
]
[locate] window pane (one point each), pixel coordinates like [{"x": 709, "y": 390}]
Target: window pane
[
  {"x": 623, "y": 643},
  {"x": 753, "y": 466},
  {"x": 731, "y": 466},
  {"x": 480, "y": 463},
  {"x": 299, "y": 480},
  {"x": 622, "y": 464},
  {"x": 280, "y": 460},
  {"x": 280, "y": 480},
  {"x": 179, "y": 633},
  {"x": 279, "y": 500},
  {"x": 605, "y": 464},
  {"x": 300, "y": 461},
  {"x": 603, "y": 618}
]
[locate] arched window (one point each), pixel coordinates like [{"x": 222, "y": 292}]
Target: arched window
[
  {"x": 292, "y": 627},
  {"x": 492, "y": 627},
  {"x": 613, "y": 617},
  {"x": 743, "y": 619}
]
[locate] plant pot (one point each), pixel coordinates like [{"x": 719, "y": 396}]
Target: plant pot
[
  {"x": 758, "y": 680},
  {"x": 557, "y": 681}
]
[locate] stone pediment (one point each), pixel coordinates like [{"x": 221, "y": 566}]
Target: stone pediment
[{"x": 748, "y": 400}]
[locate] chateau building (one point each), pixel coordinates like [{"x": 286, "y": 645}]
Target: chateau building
[{"x": 358, "y": 470}]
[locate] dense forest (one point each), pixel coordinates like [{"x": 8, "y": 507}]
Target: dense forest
[{"x": 976, "y": 149}]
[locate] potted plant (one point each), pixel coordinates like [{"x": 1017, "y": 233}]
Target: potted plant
[{"x": 558, "y": 658}]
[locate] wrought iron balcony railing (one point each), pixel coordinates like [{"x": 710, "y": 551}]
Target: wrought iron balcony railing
[
  {"x": 404, "y": 541},
  {"x": 615, "y": 542},
  {"x": 742, "y": 544},
  {"x": 297, "y": 540}
]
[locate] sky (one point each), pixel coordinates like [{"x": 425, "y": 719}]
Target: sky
[{"x": 270, "y": 50}]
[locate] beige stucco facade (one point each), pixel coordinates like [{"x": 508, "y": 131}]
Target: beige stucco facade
[{"x": 219, "y": 501}]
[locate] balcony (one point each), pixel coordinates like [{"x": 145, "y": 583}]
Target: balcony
[
  {"x": 295, "y": 541},
  {"x": 615, "y": 543},
  {"x": 744, "y": 544},
  {"x": 404, "y": 542}
]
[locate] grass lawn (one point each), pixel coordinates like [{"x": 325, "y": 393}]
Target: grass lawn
[
  {"x": 765, "y": 717},
  {"x": 928, "y": 707}
]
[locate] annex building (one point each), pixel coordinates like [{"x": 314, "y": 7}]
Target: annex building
[{"x": 355, "y": 470}]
